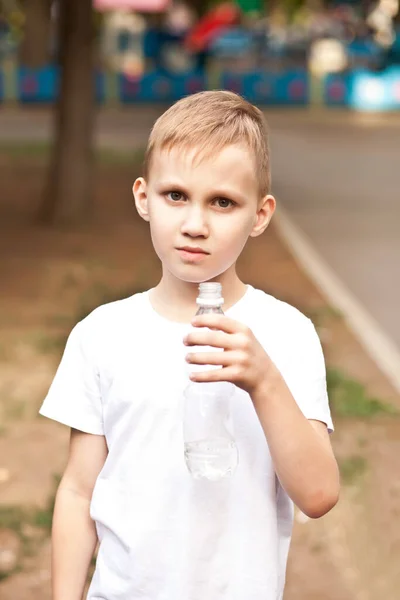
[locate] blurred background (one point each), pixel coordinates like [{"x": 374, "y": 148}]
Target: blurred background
[{"x": 81, "y": 84}]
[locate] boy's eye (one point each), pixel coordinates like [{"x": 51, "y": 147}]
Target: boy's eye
[
  {"x": 224, "y": 202},
  {"x": 175, "y": 196}
]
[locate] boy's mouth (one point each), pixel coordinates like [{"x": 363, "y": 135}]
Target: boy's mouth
[
  {"x": 194, "y": 249},
  {"x": 192, "y": 253}
]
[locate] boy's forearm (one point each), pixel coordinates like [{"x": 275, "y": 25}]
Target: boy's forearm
[
  {"x": 303, "y": 461},
  {"x": 74, "y": 541}
]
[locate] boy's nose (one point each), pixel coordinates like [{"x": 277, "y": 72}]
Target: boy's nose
[{"x": 195, "y": 224}]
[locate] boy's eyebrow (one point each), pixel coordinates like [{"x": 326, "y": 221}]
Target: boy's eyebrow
[
  {"x": 170, "y": 185},
  {"x": 217, "y": 192}
]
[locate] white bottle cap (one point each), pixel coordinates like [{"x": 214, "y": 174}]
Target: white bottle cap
[{"x": 210, "y": 294}]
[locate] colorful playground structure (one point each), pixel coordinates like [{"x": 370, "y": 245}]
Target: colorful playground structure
[{"x": 359, "y": 89}]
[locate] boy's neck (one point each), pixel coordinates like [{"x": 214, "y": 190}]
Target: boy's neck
[{"x": 175, "y": 300}]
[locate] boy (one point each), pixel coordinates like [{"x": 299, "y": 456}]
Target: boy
[{"x": 164, "y": 535}]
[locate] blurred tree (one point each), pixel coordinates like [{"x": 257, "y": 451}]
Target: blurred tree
[
  {"x": 202, "y": 6},
  {"x": 291, "y": 7},
  {"x": 67, "y": 199},
  {"x": 36, "y": 37}
]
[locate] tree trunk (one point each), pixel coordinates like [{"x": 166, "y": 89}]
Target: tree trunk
[
  {"x": 68, "y": 195},
  {"x": 35, "y": 50}
]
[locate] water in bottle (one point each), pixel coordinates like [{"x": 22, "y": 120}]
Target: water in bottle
[{"x": 210, "y": 449}]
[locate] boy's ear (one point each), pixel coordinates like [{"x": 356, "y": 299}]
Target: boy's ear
[
  {"x": 139, "y": 191},
  {"x": 264, "y": 214}
]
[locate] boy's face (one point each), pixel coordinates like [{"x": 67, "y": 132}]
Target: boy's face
[{"x": 210, "y": 205}]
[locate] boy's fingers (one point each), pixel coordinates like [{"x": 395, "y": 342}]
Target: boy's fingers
[
  {"x": 216, "y": 339},
  {"x": 224, "y": 374},
  {"x": 210, "y": 358},
  {"x": 221, "y": 322}
]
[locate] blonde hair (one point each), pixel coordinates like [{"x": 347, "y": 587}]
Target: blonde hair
[{"x": 209, "y": 121}]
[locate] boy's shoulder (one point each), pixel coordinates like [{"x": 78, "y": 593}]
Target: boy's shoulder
[
  {"x": 113, "y": 316},
  {"x": 283, "y": 330},
  {"x": 274, "y": 311}
]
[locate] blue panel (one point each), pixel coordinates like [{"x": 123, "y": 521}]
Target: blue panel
[
  {"x": 337, "y": 89},
  {"x": 129, "y": 89},
  {"x": 392, "y": 77},
  {"x": 376, "y": 91},
  {"x": 364, "y": 90},
  {"x": 150, "y": 87},
  {"x": 260, "y": 87},
  {"x": 189, "y": 84},
  {"x": 37, "y": 85},
  {"x": 292, "y": 88},
  {"x": 233, "y": 81},
  {"x": 158, "y": 87},
  {"x": 42, "y": 85}
]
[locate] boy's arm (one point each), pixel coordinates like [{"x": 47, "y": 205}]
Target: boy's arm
[
  {"x": 74, "y": 535},
  {"x": 300, "y": 448}
]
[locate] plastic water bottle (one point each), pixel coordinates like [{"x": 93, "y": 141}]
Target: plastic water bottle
[{"x": 210, "y": 449}]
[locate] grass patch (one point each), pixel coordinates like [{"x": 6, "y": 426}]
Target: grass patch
[
  {"x": 16, "y": 518},
  {"x": 349, "y": 398},
  {"x": 119, "y": 156},
  {"x": 46, "y": 344},
  {"x": 21, "y": 519},
  {"x": 352, "y": 468},
  {"x": 14, "y": 409},
  {"x": 59, "y": 320},
  {"x": 41, "y": 150},
  {"x": 25, "y": 149},
  {"x": 3, "y": 576},
  {"x": 322, "y": 315},
  {"x": 43, "y": 518},
  {"x": 12, "y": 517}
]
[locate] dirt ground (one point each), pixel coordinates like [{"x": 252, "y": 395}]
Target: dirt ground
[{"x": 51, "y": 278}]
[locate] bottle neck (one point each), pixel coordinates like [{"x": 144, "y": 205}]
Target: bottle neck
[
  {"x": 210, "y": 295},
  {"x": 210, "y": 303}
]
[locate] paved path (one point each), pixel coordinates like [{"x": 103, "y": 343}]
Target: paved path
[
  {"x": 340, "y": 183},
  {"x": 336, "y": 174}
]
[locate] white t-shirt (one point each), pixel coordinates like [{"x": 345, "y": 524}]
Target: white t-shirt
[{"x": 164, "y": 535}]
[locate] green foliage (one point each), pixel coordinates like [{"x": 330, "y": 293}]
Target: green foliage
[
  {"x": 18, "y": 519},
  {"x": 43, "y": 518},
  {"x": 46, "y": 343},
  {"x": 352, "y": 468},
  {"x": 15, "y": 517},
  {"x": 323, "y": 315},
  {"x": 12, "y": 517},
  {"x": 41, "y": 150},
  {"x": 292, "y": 7},
  {"x": 13, "y": 408},
  {"x": 349, "y": 398}
]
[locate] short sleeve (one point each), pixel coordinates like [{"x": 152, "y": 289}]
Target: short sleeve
[
  {"x": 74, "y": 397},
  {"x": 307, "y": 375}
]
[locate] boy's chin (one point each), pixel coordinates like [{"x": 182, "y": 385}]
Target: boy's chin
[
  {"x": 199, "y": 277},
  {"x": 194, "y": 280}
]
